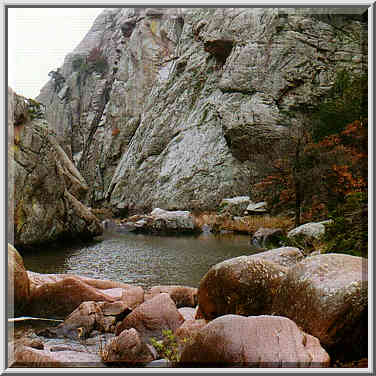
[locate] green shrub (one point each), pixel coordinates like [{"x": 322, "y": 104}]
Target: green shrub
[
  {"x": 348, "y": 233},
  {"x": 169, "y": 347},
  {"x": 100, "y": 65},
  {"x": 346, "y": 102}
]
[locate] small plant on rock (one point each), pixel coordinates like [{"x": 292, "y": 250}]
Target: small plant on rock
[{"x": 170, "y": 347}]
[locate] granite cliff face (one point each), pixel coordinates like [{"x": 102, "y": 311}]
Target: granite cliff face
[
  {"x": 47, "y": 187},
  {"x": 184, "y": 99}
]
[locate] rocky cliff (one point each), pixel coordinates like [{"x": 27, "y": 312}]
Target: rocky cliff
[
  {"x": 46, "y": 188},
  {"x": 168, "y": 108}
]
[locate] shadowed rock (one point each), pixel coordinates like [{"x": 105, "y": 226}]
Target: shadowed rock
[
  {"x": 182, "y": 296},
  {"x": 127, "y": 348}
]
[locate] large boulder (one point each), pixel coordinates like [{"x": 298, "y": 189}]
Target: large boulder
[
  {"x": 127, "y": 348},
  {"x": 48, "y": 188},
  {"x": 57, "y": 295},
  {"x": 242, "y": 285},
  {"x": 255, "y": 341},
  {"x": 183, "y": 296},
  {"x": 152, "y": 317},
  {"x": 307, "y": 233},
  {"x": 327, "y": 296},
  {"x": 18, "y": 282},
  {"x": 161, "y": 221}
]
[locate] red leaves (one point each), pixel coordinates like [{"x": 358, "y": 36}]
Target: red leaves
[{"x": 322, "y": 173}]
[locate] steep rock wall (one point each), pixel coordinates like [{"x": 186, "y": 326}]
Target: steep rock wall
[
  {"x": 47, "y": 186},
  {"x": 192, "y": 96}
]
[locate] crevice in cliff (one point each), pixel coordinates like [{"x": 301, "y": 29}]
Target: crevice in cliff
[
  {"x": 220, "y": 49},
  {"x": 94, "y": 126}
]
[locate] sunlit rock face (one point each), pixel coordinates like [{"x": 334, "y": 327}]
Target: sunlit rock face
[{"x": 187, "y": 99}]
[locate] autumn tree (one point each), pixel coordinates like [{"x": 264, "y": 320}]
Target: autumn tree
[{"x": 322, "y": 159}]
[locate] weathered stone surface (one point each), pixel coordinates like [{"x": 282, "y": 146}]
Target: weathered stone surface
[
  {"x": 18, "y": 282},
  {"x": 284, "y": 256},
  {"x": 188, "y": 313},
  {"x": 133, "y": 296},
  {"x": 58, "y": 295},
  {"x": 48, "y": 187},
  {"x": 187, "y": 332},
  {"x": 32, "y": 358},
  {"x": 81, "y": 321},
  {"x": 128, "y": 348},
  {"x": 327, "y": 296},
  {"x": 242, "y": 285},
  {"x": 266, "y": 236},
  {"x": 234, "y": 206},
  {"x": 191, "y": 95},
  {"x": 153, "y": 316},
  {"x": 38, "y": 279},
  {"x": 256, "y": 208},
  {"x": 255, "y": 341},
  {"x": 308, "y": 231},
  {"x": 182, "y": 296},
  {"x": 162, "y": 221}
]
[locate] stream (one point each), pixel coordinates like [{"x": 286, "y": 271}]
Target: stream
[{"x": 139, "y": 259}]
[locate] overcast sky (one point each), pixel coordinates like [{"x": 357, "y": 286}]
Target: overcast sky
[{"x": 39, "y": 39}]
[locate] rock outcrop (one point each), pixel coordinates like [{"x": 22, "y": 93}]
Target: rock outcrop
[
  {"x": 48, "y": 189},
  {"x": 170, "y": 108}
]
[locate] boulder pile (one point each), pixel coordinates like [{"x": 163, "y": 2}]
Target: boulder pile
[{"x": 273, "y": 309}]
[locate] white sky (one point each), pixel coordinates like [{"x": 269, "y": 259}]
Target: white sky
[{"x": 39, "y": 39}]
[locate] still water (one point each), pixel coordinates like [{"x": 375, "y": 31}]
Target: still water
[{"x": 139, "y": 259}]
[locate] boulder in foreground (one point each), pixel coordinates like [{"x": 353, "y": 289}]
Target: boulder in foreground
[{"x": 255, "y": 341}]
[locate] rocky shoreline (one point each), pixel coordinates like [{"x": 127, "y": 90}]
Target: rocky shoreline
[{"x": 278, "y": 308}]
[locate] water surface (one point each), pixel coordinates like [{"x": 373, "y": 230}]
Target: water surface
[{"x": 144, "y": 260}]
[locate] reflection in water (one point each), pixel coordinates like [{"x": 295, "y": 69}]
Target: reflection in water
[{"x": 143, "y": 260}]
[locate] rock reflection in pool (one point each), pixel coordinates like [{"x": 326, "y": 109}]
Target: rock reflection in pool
[{"x": 143, "y": 260}]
